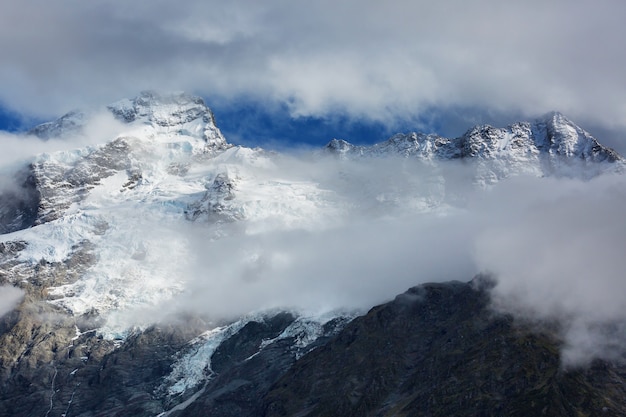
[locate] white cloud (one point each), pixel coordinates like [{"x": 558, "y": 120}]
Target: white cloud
[
  {"x": 556, "y": 248},
  {"x": 18, "y": 149},
  {"x": 354, "y": 266},
  {"x": 554, "y": 245},
  {"x": 362, "y": 58},
  {"x": 362, "y": 246},
  {"x": 9, "y": 298}
]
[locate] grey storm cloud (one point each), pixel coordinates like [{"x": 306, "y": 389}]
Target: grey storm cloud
[{"x": 362, "y": 58}]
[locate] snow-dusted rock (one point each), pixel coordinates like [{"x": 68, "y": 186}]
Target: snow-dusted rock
[{"x": 550, "y": 146}]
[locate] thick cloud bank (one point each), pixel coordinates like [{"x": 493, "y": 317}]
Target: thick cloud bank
[
  {"x": 367, "y": 234},
  {"x": 361, "y": 58},
  {"x": 555, "y": 247}
]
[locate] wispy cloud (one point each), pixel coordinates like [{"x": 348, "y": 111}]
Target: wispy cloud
[
  {"x": 556, "y": 248},
  {"x": 19, "y": 149},
  {"x": 9, "y": 298}
]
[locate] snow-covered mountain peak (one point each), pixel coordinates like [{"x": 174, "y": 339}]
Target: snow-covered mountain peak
[
  {"x": 168, "y": 166},
  {"x": 150, "y": 115},
  {"x": 132, "y": 201},
  {"x": 551, "y": 145},
  {"x": 558, "y": 136},
  {"x": 172, "y": 114},
  {"x": 338, "y": 145},
  {"x": 67, "y": 124}
]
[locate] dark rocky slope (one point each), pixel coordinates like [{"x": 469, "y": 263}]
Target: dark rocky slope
[
  {"x": 438, "y": 350},
  {"x": 19, "y": 202}
]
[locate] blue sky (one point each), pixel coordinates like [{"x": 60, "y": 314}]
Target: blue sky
[
  {"x": 251, "y": 124},
  {"x": 305, "y": 72},
  {"x": 11, "y": 121}
]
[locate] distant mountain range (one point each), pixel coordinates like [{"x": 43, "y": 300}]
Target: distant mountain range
[{"x": 95, "y": 236}]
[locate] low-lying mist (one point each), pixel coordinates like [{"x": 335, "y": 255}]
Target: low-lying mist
[
  {"x": 555, "y": 247},
  {"x": 376, "y": 227}
]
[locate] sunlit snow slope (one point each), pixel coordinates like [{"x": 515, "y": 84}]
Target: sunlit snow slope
[{"x": 135, "y": 198}]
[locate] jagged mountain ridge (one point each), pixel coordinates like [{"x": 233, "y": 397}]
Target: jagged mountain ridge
[
  {"x": 100, "y": 221},
  {"x": 553, "y": 134},
  {"x": 550, "y": 146}
]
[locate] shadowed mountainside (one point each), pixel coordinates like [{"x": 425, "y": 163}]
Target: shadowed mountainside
[{"x": 438, "y": 350}]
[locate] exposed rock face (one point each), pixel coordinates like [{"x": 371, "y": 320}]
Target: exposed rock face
[
  {"x": 60, "y": 371},
  {"x": 244, "y": 372},
  {"x": 438, "y": 350},
  {"x": 212, "y": 204},
  {"x": 46, "y": 188},
  {"x": 19, "y": 202},
  {"x": 52, "y": 367},
  {"x": 61, "y": 184}
]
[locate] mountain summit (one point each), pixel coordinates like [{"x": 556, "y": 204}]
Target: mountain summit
[
  {"x": 550, "y": 146},
  {"x": 165, "y": 114},
  {"x": 178, "y": 114}
]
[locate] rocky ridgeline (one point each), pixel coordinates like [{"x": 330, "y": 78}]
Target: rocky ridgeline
[{"x": 550, "y": 146}]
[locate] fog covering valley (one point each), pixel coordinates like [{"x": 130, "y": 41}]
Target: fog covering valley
[{"x": 314, "y": 232}]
